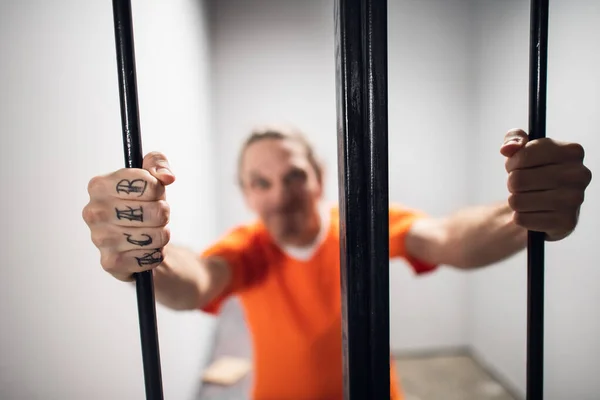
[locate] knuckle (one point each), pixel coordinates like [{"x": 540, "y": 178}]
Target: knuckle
[
  {"x": 513, "y": 201},
  {"x": 101, "y": 239},
  {"x": 572, "y": 221},
  {"x": 93, "y": 214},
  {"x": 509, "y": 182},
  {"x": 566, "y": 221},
  {"x": 577, "y": 150},
  {"x": 97, "y": 239},
  {"x": 519, "y": 219},
  {"x": 95, "y": 185},
  {"x": 164, "y": 212},
  {"x": 131, "y": 174},
  {"x": 576, "y": 198},
  {"x": 130, "y": 178},
  {"x": 588, "y": 175},
  {"x": 585, "y": 176},
  {"x": 86, "y": 214},
  {"x": 535, "y": 146},
  {"x": 110, "y": 262},
  {"x": 516, "y": 181},
  {"x": 127, "y": 173},
  {"x": 165, "y": 236}
]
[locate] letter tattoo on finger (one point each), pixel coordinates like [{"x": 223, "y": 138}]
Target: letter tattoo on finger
[
  {"x": 142, "y": 243},
  {"x": 131, "y": 214},
  {"x": 153, "y": 257},
  {"x": 135, "y": 186}
]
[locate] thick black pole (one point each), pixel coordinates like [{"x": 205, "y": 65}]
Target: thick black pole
[
  {"x": 535, "y": 251},
  {"x": 361, "y": 75},
  {"x": 132, "y": 143}
]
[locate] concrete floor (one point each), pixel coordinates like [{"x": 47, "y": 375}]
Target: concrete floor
[
  {"x": 447, "y": 378},
  {"x": 438, "y": 377},
  {"x": 423, "y": 378}
]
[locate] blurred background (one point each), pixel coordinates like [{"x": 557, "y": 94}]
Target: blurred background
[{"x": 208, "y": 71}]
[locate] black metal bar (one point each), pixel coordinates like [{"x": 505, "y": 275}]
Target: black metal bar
[
  {"x": 132, "y": 144},
  {"x": 535, "y": 247},
  {"x": 361, "y": 76}
]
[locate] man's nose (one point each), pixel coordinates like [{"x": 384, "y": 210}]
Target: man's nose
[{"x": 280, "y": 194}]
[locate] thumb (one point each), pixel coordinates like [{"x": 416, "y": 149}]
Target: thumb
[
  {"x": 157, "y": 164},
  {"x": 514, "y": 140}
]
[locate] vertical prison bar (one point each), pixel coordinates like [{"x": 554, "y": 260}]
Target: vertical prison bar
[
  {"x": 132, "y": 145},
  {"x": 538, "y": 60},
  {"x": 361, "y": 78}
]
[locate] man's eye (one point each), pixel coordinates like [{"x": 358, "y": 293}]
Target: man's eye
[
  {"x": 296, "y": 177},
  {"x": 260, "y": 184}
]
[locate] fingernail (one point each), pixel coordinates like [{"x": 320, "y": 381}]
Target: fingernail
[
  {"x": 513, "y": 139},
  {"x": 164, "y": 170}
]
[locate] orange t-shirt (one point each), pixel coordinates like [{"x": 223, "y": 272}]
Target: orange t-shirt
[{"x": 293, "y": 308}]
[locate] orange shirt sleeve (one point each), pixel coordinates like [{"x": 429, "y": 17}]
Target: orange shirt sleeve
[
  {"x": 401, "y": 220},
  {"x": 244, "y": 258}
]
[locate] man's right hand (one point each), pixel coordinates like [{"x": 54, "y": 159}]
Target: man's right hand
[{"x": 128, "y": 216}]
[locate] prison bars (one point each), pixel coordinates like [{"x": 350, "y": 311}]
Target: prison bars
[
  {"x": 362, "y": 129},
  {"x": 361, "y": 96},
  {"x": 132, "y": 144},
  {"x": 538, "y": 61},
  {"x": 361, "y": 79}
]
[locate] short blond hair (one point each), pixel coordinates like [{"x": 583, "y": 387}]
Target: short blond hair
[{"x": 280, "y": 132}]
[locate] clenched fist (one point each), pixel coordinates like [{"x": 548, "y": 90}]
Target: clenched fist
[
  {"x": 547, "y": 182},
  {"x": 128, "y": 215}
]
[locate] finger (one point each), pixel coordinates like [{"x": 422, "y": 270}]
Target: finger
[
  {"x": 547, "y": 200},
  {"x": 120, "y": 239},
  {"x": 148, "y": 214},
  {"x": 127, "y": 183},
  {"x": 157, "y": 164},
  {"x": 127, "y": 213},
  {"x": 122, "y": 265},
  {"x": 546, "y": 221},
  {"x": 545, "y": 151},
  {"x": 514, "y": 140},
  {"x": 548, "y": 177}
]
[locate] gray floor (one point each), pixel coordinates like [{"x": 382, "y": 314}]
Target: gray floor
[{"x": 447, "y": 378}]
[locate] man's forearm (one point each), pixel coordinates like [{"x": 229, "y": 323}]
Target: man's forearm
[
  {"x": 185, "y": 282},
  {"x": 484, "y": 235}
]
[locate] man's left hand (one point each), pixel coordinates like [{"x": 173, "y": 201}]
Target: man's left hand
[{"x": 546, "y": 181}]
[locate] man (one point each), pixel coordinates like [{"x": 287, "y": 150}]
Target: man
[{"x": 285, "y": 266}]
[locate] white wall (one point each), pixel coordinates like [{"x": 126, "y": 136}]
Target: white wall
[
  {"x": 68, "y": 330},
  {"x": 497, "y": 301},
  {"x": 273, "y": 60},
  {"x": 458, "y": 81}
]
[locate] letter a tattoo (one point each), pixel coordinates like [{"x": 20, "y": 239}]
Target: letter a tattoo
[
  {"x": 154, "y": 257},
  {"x": 132, "y": 214},
  {"x": 134, "y": 186}
]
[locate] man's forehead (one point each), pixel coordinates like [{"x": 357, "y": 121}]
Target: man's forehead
[
  {"x": 270, "y": 151},
  {"x": 273, "y": 164},
  {"x": 283, "y": 145}
]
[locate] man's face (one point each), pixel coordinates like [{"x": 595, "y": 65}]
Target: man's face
[{"x": 282, "y": 187}]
